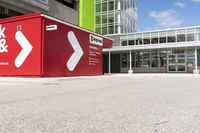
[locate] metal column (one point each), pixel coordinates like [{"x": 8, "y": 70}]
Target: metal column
[
  {"x": 130, "y": 71},
  {"x": 196, "y": 71},
  {"x": 195, "y": 58}
]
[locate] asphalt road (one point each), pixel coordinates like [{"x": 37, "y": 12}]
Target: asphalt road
[{"x": 108, "y": 104}]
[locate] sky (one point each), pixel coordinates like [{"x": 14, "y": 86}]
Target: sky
[{"x": 162, "y": 14}]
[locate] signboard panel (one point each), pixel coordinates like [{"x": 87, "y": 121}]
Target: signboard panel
[
  {"x": 20, "y": 47},
  {"x": 70, "y": 51}
]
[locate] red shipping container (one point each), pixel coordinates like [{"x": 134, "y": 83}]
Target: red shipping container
[{"x": 42, "y": 46}]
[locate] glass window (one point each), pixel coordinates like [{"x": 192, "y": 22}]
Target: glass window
[
  {"x": 171, "y": 36},
  {"x": 198, "y": 34},
  {"x": 116, "y": 17},
  {"x": 181, "y": 38},
  {"x": 131, "y": 42},
  {"x": 146, "y": 35},
  {"x": 163, "y": 58},
  {"x": 116, "y": 4},
  {"x": 154, "y": 40},
  {"x": 98, "y": 19},
  {"x": 110, "y": 18},
  {"x": 98, "y": 30},
  {"x": 162, "y": 36},
  {"x": 181, "y": 31},
  {"x": 140, "y": 59},
  {"x": 171, "y": 39},
  {"x": 146, "y": 41},
  {"x": 146, "y": 38},
  {"x": 111, "y": 5},
  {"x": 154, "y": 59},
  {"x": 154, "y": 34},
  {"x": 116, "y": 29},
  {"x": 190, "y": 31},
  {"x": 163, "y": 39},
  {"x": 154, "y": 37},
  {"x": 172, "y": 68},
  {"x": 121, "y": 5},
  {"x": 124, "y": 43},
  {"x": 104, "y": 6},
  {"x": 122, "y": 29},
  {"x": 111, "y": 30},
  {"x": 190, "y": 37},
  {"x": 104, "y": 19},
  {"x": 171, "y": 33},
  {"x": 124, "y": 60},
  {"x": 146, "y": 62},
  {"x": 98, "y": 7},
  {"x": 139, "y": 39},
  {"x": 104, "y": 30}
]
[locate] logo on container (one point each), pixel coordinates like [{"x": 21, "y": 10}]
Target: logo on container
[
  {"x": 96, "y": 40},
  {"x": 3, "y": 46}
]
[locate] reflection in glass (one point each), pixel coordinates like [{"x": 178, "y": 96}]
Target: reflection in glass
[
  {"x": 190, "y": 37},
  {"x": 181, "y": 38},
  {"x": 171, "y": 39}
]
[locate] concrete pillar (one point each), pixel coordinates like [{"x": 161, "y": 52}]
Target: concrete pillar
[
  {"x": 195, "y": 71},
  {"x": 130, "y": 71}
]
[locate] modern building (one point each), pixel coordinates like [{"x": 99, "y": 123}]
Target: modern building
[
  {"x": 115, "y": 16},
  {"x": 161, "y": 51}
]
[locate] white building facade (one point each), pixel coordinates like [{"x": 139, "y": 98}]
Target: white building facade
[{"x": 163, "y": 51}]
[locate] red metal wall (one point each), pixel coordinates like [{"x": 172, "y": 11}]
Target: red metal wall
[
  {"x": 38, "y": 45},
  {"x": 25, "y": 29},
  {"x": 58, "y": 50}
]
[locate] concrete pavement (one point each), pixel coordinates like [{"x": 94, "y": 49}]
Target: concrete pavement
[{"x": 138, "y": 103}]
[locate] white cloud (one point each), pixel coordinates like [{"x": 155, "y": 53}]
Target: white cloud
[
  {"x": 180, "y": 4},
  {"x": 197, "y": 1},
  {"x": 166, "y": 18}
]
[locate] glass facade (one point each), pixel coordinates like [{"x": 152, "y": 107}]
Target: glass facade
[
  {"x": 115, "y": 16},
  {"x": 167, "y": 60},
  {"x": 160, "y": 37},
  {"x": 163, "y": 59}
]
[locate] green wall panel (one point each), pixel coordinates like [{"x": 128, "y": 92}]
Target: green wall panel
[{"x": 86, "y": 14}]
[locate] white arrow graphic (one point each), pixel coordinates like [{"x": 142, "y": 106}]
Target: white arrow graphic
[
  {"x": 78, "y": 52},
  {"x": 26, "y": 48}
]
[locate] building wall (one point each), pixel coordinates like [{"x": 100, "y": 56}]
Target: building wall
[
  {"x": 24, "y": 6},
  {"x": 116, "y": 40},
  {"x": 51, "y": 7},
  {"x": 86, "y": 14},
  {"x": 63, "y": 12}
]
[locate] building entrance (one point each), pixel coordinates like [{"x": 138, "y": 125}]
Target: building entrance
[{"x": 176, "y": 61}]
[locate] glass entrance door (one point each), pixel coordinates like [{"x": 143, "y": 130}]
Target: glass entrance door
[{"x": 176, "y": 62}]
